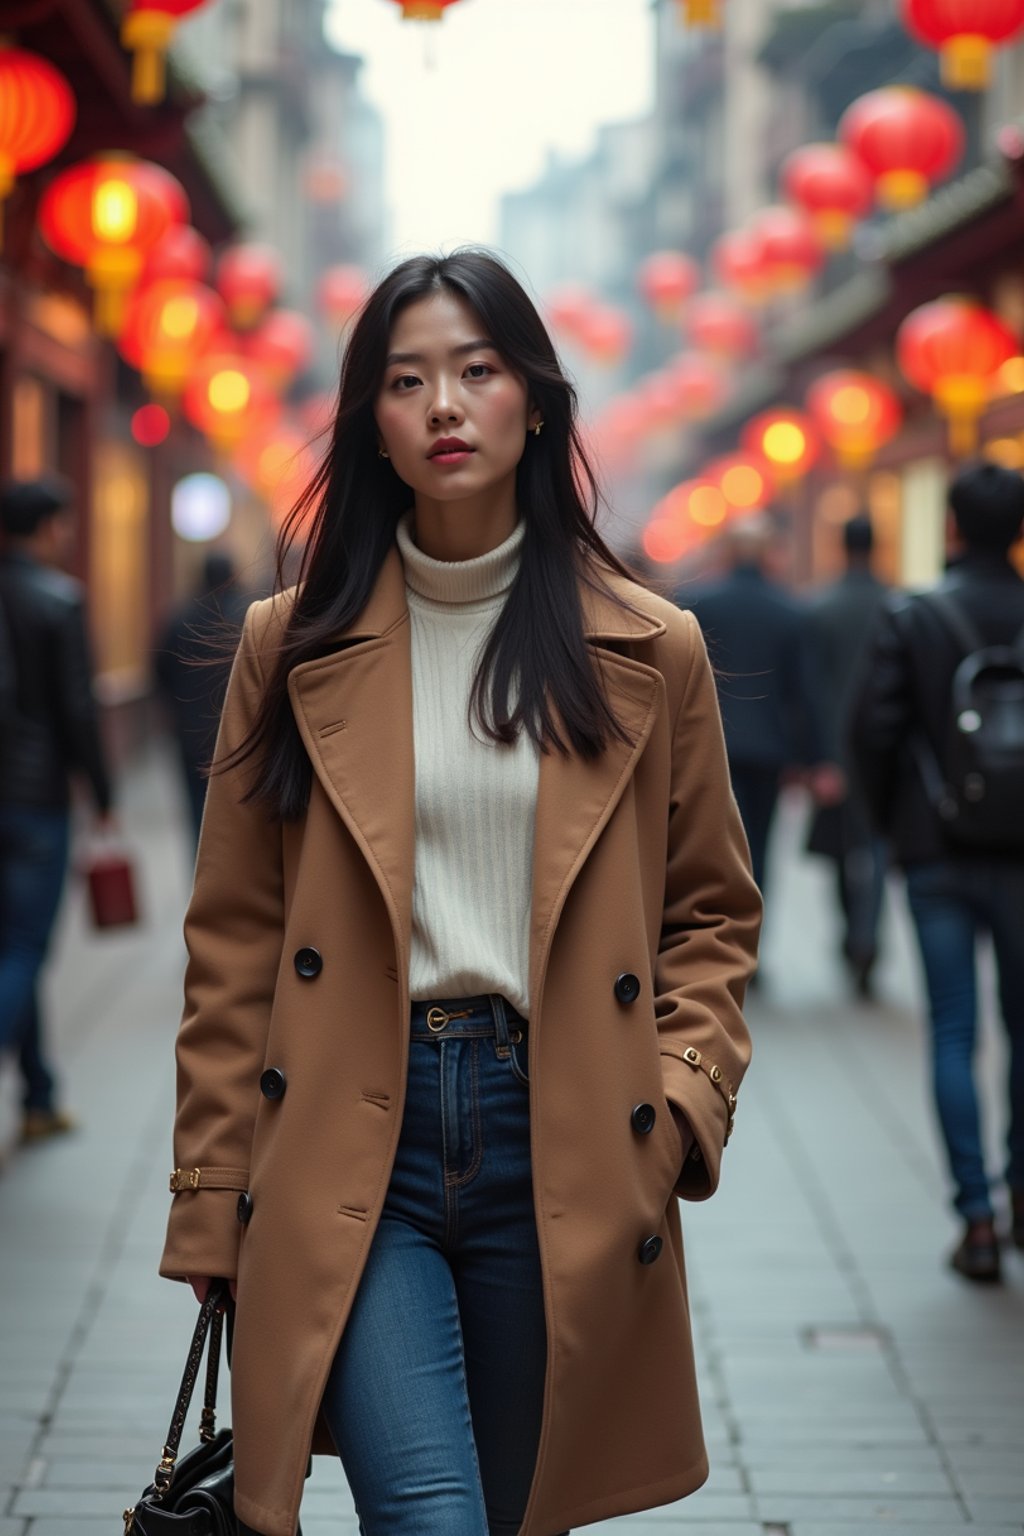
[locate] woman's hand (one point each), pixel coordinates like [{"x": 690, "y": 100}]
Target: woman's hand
[{"x": 201, "y": 1285}]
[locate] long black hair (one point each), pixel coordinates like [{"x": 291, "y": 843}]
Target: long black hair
[{"x": 535, "y": 666}]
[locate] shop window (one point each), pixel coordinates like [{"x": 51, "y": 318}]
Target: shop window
[{"x": 29, "y": 428}]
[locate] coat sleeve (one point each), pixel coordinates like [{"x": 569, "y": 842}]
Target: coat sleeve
[
  {"x": 233, "y": 933},
  {"x": 708, "y": 945}
]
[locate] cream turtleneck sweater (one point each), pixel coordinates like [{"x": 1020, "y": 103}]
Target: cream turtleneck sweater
[{"x": 475, "y": 800}]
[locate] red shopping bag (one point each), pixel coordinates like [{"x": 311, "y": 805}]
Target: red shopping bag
[{"x": 110, "y": 881}]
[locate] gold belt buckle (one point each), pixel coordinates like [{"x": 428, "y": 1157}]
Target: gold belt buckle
[{"x": 437, "y": 1018}]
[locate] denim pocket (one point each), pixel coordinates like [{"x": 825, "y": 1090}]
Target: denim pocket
[{"x": 518, "y": 1058}]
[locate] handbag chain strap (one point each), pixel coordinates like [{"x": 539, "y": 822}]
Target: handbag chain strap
[{"x": 210, "y": 1323}]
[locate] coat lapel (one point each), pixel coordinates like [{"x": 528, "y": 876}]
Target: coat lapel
[
  {"x": 575, "y": 799},
  {"x": 354, "y": 712}
]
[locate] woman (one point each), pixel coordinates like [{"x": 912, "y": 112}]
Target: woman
[{"x": 471, "y": 927}]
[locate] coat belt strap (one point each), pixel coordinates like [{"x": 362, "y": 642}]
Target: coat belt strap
[{"x": 208, "y": 1178}]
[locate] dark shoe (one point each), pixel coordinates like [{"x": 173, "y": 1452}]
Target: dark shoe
[
  {"x": 977, "y": 1255},
  {"x": 41, "y": 1124}
]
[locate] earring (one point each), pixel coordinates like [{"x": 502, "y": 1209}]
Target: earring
[
  {"x": 536, "y": 430},
  {"x": 382, "y": 453}
]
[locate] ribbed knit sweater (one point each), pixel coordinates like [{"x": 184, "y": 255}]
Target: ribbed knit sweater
[{"x": 475, "y": 799}]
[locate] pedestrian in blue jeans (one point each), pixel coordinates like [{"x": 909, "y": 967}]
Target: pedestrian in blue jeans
[
  {"x": 472, "y": 922},
  {"x": 50, "y": 735},
  {"x": 958, "y": 893}
]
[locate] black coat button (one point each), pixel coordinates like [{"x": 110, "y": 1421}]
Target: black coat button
[
  {"x": 627, "y": 987},
  {"x": 642, "y": 1119},
  {"x": 273, "y": 1084},
  {"x": 309, "y": 963},
  {"x": 244, "y": 1208},
  {"x": 649, "y": 1250}
]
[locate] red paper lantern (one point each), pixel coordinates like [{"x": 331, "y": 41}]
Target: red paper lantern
[
  {"x": 855, "y": 414},
  {"x": 738, "y": 261},
  {"x": 832, "y": 187},
  {"x": 424, "y": 10},
  {"x": 791, "y": 252},
  {"x": 744, "y": 479},
  {"x": 249, "y": 280},
  {"x": 567, "y": 308},
  {"x": 167, "y": 328},
  {"x": 786, "y": 438},
  {"x": 150, "y": 425},
  {"x": 718, "y": 323},
  {"x": 146, "y": 30},
  {"x": 278, "y": 466},
  {"x": 283, "y": 346},
  {"x": 953, "y": 349},
  {"x": 340, "y": 292},
  {"x": 965, "y": 32},
  {"x": 666, "y": 280},
  {"x": 698, "y": 386},
  {"x": 37, "y": 114},
  {"x": 105, "y": 215},
  {"x": 908, "y": 140},
  {"x": 181, "y": 253},
  {"x": 621, "y": 428},
  {"x": 606, "y": 334},
  {"x": 229, "y": 398}
]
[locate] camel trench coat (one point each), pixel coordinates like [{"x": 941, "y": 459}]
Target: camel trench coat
[{"x": 298, "y": 937}]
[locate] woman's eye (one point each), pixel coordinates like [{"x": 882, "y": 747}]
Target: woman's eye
[
  {"x": 479, "y": 370},
  {"x": 404, "y": 381}
]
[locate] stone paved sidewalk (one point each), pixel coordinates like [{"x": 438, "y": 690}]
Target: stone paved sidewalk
[{"x": 850, "y": 1382}]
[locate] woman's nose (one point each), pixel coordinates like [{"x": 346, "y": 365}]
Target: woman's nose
[{"x": 445, "y": 406}]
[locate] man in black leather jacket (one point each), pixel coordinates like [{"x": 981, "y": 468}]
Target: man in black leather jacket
[
  {"x": 50, "y": 732},
  {"x": 955, "y": 894}
]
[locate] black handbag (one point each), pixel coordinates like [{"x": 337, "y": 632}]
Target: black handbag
[{"x": 194, "y": 1496}]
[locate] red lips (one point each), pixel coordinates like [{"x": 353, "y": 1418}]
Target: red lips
[{"x": 449, "y": 445}]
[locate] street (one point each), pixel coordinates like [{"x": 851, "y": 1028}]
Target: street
[{"x": 850, "y": 1381}]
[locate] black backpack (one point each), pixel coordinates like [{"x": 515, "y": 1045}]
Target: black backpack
[{"x": 977, "y": 786}]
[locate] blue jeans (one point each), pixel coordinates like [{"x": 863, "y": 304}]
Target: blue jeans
[
  {"x": 952, "y": 903},
  {"x": 33, "y": 861},
  {"x": 435, "y": 1396}
]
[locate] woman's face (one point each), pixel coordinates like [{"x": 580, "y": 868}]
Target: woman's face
[{"x": 451, "y": 414}]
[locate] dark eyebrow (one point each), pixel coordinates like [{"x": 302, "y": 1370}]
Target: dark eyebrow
[{"x": 417, "y": 357}]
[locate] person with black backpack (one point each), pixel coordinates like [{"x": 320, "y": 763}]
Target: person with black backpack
[{"x": 937, "y": 740}]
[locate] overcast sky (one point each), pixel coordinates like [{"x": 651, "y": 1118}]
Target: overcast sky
[{"x": 473, "y": 103}]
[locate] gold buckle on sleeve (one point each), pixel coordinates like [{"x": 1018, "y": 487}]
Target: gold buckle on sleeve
[{"x": 185, "y": 1178}]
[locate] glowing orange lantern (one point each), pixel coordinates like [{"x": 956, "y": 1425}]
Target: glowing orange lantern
[
  {"x": 37, "y": 114},
  {"x": 181, "y": 253},
  {"x": 701, "y": 13},
  {"x": 786, "y": 438},
  {"x": 167, "y": 328},
  {"x": 229, "y": 398},
  {"x": 832, "y": 186},
  {"x": 340, "y": 292},
  {"x": 737, "y": 259},
  {"x": 279, "y": 467},
  {"x": 718, "y": 323},
  {"x": 249, "y": 281},
  {"x": 147, "y": 30},
  {"x": 105, "y": 215},
  {"x": 855, "y": 414},
  {"x": 965, "y": 32},
  {"x": 908, "y": 140},
  {"x": 953, "y": 349},
  {"x": 791, "y": 252},
  {"x": 666, "y": 280},
  {"x": 283, "y": 346},
  {"x": 424, "y": 10},
  {"x": 606, "y": 334},
  {"x": 744, "y": 480}
]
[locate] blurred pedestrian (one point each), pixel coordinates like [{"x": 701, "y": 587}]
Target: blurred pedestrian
[
  {"x": 192, "y": 664},
  {"x": 473, "y": 910},
  {"x": 755, "y": 634},
  {"x": 839, "y": 621},
  {"x": 964, "y": 866},
  {"x": 51, "y": 736}
]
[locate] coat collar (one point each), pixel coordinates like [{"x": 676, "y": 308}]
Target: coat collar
[{"x": 353, "y": 709}]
